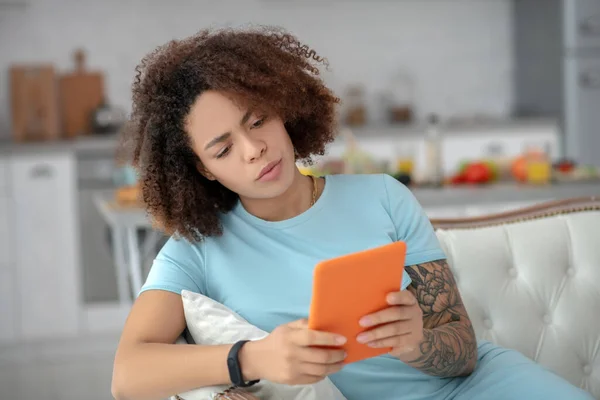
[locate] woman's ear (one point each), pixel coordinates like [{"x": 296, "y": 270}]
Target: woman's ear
[{"x": 204, "y": 172}]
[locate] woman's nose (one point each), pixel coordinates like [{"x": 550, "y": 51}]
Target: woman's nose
[{"x": 254, "y": 149}]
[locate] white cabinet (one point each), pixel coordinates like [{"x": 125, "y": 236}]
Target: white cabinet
[
  {"x": 7, "y": 309},
  {"x": 3, "y": 175},
  {"x": 7, "y": 282},
  {"x": 5, "y": 224},
  {"x": 43, "y": 187},
  {"x": 8, "y": 323}
]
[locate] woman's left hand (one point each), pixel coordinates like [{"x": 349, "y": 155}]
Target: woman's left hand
[{"x": 399, "y": 326}]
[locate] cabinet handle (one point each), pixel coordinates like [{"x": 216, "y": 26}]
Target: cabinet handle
[
  {"x": 41, "y": 171},
  {"x": 590, "y": 80}
]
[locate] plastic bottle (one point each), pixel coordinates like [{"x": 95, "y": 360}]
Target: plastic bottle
[{"x": 434, "y": 174}]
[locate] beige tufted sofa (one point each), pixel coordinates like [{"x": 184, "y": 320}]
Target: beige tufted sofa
[{"x": 530, "y": 281}]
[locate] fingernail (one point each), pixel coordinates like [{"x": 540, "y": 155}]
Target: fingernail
[
  {"x": 372, "y": 344},
  {"x": 340, "y": 340},
  {"x": 365, "y": 321},
  {"x": 362, "y": 338},
  {"x": 345, "y": 354}
]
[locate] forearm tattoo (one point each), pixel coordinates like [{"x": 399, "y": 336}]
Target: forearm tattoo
[{"x": 449, "y": 346}]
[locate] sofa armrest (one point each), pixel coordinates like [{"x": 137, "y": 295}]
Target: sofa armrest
[
  {"x": 537, "y": 211},
  {"x": 530, "y": 281}
]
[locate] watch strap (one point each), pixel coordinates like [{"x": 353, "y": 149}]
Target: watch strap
[{"x": 235, "y": 369}]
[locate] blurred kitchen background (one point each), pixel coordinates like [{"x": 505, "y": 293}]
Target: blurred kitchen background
[{"x": 478, "y": 105}]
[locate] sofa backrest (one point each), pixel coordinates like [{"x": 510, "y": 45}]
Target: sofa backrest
[{"x": 530, "y": 281}]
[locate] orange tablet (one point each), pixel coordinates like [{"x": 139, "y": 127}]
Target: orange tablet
[{"x": 347, "y": 288}]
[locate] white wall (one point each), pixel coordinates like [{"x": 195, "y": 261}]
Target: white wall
[{"x": 460, "y": 51}]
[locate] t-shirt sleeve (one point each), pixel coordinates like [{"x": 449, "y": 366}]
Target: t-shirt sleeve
[
  {"x": 179, "y": 265},
  {"x": 412, "y": 224}
]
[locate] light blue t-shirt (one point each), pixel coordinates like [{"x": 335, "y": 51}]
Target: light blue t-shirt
[{"x": 263, "y": 270}]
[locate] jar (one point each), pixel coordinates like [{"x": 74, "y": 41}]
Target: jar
[
  {"x": 356, "y": 109},
  {"x": 399, "y": 98},
  {"x": 538, "y": 166}
]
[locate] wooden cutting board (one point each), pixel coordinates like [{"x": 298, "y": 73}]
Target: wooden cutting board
[
  {"x": 81, "y": 93},
  {"x": 34, "y": 102}
]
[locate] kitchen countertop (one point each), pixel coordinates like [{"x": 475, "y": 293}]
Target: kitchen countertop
[
  {"x": 452, "y": 196},
  {"x": 487, "y": 197},
  {"x": 84, "y": 144}
]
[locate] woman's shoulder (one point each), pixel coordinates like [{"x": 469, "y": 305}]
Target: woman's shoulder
[
  {"x": 181, "y": 251},
  {"x": 178, "y": 265}
]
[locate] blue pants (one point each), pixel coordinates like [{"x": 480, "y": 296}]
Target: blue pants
[{"x": 503, "y": 374}]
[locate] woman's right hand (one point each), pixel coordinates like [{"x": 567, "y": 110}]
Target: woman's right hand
[{"x": 288, "y": 355}]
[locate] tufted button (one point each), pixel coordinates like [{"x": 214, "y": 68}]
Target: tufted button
[
  {"x": 570, "y": 272},
  {"x": 487, "y": 323},
  {"x": 587, "y": 369},
  {"x": 513, "y": 272},
  {"x": 547, "y": 319}
]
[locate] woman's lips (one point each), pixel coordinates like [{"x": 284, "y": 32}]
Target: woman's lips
[{"x": 270, "y": 171}]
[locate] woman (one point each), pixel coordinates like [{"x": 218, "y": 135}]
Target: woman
[{"x": 219, "y": 121}]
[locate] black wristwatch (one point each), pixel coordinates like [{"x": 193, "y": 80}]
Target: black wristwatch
[{"x": 233, "y": 364}]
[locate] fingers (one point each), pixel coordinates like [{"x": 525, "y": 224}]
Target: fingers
[
  {"x": 305, "y": 356},
  {"x": 320, "y": 370},
  {"x": 321, "y": 356},
  {"x": 401, "y": 298},
  {"x": 402, "y": 342},
  {"x": 404, "y": 305},
  {"x": 386, "y": 331},
  {"x": 305, "y": 337},
  {"x": 390, "y": 314},
  {"x": 299, "y": 324}
]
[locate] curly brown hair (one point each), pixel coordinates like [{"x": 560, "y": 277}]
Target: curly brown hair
[{"x": 264, "y": 67}]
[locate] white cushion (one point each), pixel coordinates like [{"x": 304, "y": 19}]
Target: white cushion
[
  {"x": 212, "y": 323},
  {"x": 534, "y": 286}
]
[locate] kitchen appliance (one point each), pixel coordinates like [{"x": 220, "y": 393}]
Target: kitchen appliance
[
  {"x": 96, "y": 171},
  {"x": 108, "y": 119},
  {"x": 557, "y": 70}
]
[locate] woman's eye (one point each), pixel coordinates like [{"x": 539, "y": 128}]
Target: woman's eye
[
  {"x": 258, "y": 123},
  {"x": 223, "y": 152}
]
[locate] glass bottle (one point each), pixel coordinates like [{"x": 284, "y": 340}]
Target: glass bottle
[{"x": 433, "y": 152}]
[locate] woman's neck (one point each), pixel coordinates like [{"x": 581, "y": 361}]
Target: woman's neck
[{"x": 291, "y": 203}]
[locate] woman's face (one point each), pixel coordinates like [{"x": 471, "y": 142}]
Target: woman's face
[{"x": 246, "y": 151}]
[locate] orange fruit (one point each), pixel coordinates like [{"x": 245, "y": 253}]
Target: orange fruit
[{"x": 518, "y": 168}]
